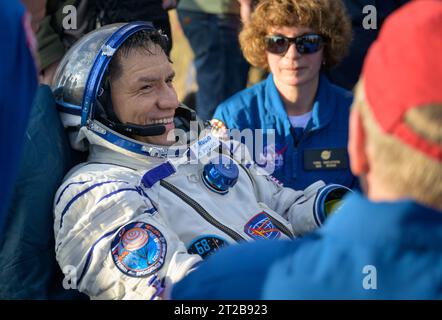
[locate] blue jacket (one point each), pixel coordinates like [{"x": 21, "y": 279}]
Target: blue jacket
[
  {"x": 387, "y": 250},
  {"x": 319, "y": 154}
]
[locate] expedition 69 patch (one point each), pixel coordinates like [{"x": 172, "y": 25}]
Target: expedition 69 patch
[{"x": 139, "y": 249}]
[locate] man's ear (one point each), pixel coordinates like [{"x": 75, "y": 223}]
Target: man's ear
[{"x": 357, "y": 145}]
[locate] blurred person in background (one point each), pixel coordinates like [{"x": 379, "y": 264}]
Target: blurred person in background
[
  {"x": 212, "y": 29},
  {"x": 346, "y": 73},
  {"x": 54, "y": 40}
]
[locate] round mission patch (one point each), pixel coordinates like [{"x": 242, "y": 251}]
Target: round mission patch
[{"x": 139, "y": 249}]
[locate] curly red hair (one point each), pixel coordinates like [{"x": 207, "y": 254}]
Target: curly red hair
[{"x": 326, "y": 17}]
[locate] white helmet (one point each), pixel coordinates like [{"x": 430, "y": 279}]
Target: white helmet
[{"x": 78, "y": 82}]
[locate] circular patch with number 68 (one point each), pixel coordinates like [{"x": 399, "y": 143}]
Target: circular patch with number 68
[{"x": 206, "y": 245}]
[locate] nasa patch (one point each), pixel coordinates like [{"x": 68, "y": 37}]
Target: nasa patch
[
  {"x": 139, "y": 249},
  {"x": 261, "y": 227},
  {"x": 272, "y": 156},
  {"x": 206, "y": 245}
]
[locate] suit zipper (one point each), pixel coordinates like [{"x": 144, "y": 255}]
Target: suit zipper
[{"x": 201, "y": 211}]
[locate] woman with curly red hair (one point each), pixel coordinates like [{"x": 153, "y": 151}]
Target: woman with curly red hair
[{"x": 297, "y": 41}]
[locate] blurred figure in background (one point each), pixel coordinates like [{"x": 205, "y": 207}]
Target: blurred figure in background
[
  {"x": 246, "y": 9},
  {"x": 212, "y": 29},
  {"x": 54, "y": 40},
  {"x": 346, "y": 74},
  {"x": 37, "y": 9}
]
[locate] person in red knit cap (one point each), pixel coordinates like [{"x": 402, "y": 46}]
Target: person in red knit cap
[{"x": 387, "y": 243}]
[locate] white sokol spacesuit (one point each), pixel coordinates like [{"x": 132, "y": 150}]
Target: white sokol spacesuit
[{"x": 136, "y": 218}]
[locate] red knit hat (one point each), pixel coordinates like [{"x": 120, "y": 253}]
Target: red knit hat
[{"x": 403, "y": 70}]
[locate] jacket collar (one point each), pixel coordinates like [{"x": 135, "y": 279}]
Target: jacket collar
[
  {"x": 103, "y": 154},
  {"x": 324, "y": 105}
]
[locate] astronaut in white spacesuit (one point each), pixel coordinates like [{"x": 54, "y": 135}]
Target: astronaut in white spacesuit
[{"x": 138, "y": 216}]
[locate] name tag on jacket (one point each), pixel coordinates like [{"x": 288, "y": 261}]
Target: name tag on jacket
[{"x": 325, "y": 159}]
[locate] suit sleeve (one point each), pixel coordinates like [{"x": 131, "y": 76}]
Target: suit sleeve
[
  {"x": 109, "y": 232},
  {"x": 296, "y": 206}
]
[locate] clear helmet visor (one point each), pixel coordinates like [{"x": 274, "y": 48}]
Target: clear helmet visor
[{"x": 72, "y": 73}]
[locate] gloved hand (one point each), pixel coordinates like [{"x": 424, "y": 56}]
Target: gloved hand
[{"x": 312, "y": 209}]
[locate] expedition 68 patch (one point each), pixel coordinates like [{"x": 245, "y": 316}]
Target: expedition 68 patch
[
  {"x": 139, "y": 249},
  {"x": 206, "y": 245}
]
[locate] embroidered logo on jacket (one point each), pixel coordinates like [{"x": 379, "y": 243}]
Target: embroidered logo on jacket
[
  {"x": 139, "y": 249},
  {"x": 261, "y": 227},
  {"x": 272, "y": 155}
]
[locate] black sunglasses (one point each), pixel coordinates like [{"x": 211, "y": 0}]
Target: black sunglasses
[{"x": 305, "y": 44}]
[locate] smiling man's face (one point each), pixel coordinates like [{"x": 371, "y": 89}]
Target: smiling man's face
[{"x": 144, "y": 94}]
